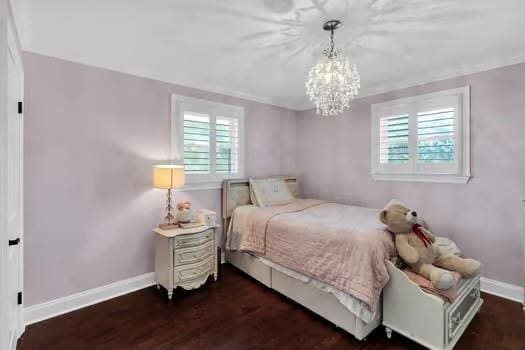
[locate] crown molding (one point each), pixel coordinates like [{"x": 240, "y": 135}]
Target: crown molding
[
  {"x": 448, "y": 73},
  {"x": 182, "y": 83},
  {"x": 306, "y": 106},
  {"x": 376, "y": 89},
  {"x": 441, "y": 74}
]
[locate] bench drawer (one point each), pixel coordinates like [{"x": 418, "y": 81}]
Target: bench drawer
[{"x": 462, "y": 307}]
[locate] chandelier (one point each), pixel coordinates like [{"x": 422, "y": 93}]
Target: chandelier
[{"x": 333, "y": 82}]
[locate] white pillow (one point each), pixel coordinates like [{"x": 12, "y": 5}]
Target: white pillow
[
  {"x": 448, "y": 246},
  {"x": 270, "y": 192}
]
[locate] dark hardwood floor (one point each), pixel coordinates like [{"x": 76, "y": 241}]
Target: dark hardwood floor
[{"x": 239, "y": 313}]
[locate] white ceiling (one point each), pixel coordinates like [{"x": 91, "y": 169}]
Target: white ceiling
[{"x": 262, "y": 49}]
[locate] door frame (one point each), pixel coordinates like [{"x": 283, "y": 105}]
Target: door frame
[
  {"x": 3, "y": 183},
  {"x": 9, "y": 49},
  {"x": 14, "y": 51}
]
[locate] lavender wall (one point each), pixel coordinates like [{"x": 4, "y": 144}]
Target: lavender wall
[
  {"x": 483, "y": 217},
  {"x": 91, "y": 138},
  {"x": 92, "y": 135}
]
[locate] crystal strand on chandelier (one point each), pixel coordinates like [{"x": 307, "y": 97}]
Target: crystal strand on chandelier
[{"x": 332, "y": 83}]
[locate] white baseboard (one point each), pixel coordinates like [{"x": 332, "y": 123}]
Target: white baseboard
[
  {"x": 501, "y": 289},
  {"x": 40, "y": 312}
]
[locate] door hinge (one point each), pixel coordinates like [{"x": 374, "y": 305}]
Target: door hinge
[
  {"x": 14, "y": 241},
  {"x": 20, "y": 107},
  {"x": 19, "y": 298}
]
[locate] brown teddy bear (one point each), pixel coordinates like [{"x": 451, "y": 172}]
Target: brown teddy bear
[{"x": 414, "y": 244}]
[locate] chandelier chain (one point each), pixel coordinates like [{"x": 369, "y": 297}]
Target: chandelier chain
[{"x": 332, "y": 43}]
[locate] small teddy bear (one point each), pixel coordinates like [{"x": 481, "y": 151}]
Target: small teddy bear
[
  {"x": 183, "y": 212},
  {"x": 414, "y": 244}
]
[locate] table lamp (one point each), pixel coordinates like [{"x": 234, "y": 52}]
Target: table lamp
[{"x": 168, "y": 177}]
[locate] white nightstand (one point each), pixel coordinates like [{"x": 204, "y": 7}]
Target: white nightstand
[{"x": 185, "y": 257}]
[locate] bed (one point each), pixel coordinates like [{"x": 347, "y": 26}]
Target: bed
[{"x": 340, "y": 303}]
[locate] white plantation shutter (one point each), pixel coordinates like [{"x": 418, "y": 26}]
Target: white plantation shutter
[
  {"x": 227, "y": 145},
  {"x": 435, "y": 136},
  {"x": 196, "y": 143},
  {"x": 423, "y": 138},
  {"x": 437, "y": 150},
  {"x": 393, "y": 140}
]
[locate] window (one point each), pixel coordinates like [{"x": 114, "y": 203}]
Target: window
[
  {"x": 423, "y": 138},
  {"x": 208, "y": 138},
  {"x": 196, "y": 143}
]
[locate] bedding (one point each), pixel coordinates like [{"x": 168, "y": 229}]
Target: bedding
[
  {"x": 233, "y": 242},
  {"x": 236, "y": 227},
  {"x": 345, "y": 247}
]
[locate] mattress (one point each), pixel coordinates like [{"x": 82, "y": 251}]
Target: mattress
[{"x": 353, "y": 304}]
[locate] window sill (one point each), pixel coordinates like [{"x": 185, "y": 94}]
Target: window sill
[
  {"x": 200, "y": 186},
  {"x": 452, "y": 179}
]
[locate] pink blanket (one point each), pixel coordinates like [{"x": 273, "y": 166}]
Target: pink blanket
[
  {"x": 447, "y": 295},
  {"x": 343, "y": 246}
]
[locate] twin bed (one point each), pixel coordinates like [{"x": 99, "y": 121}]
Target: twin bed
[{"x": 328, "y": 257}]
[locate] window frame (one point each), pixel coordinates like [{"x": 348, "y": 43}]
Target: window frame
[
  {"x": 458, "y": 171},
  {"x": 179, "y": 104}
]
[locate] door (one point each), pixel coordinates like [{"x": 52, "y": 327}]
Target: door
[
  {"x": 14, "y": 196},
  {"x": 523, "y": 246}
]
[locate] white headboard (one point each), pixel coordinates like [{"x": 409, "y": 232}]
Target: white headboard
[{"x": 237, "y": 192}]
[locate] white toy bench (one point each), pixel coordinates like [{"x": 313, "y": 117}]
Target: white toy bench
[{"x": 425, "y": 318}]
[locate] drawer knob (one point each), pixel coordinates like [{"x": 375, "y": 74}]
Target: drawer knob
[{"x": 454, "y": 320}]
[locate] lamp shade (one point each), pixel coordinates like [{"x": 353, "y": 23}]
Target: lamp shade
[{"x": 168, "y": 176}]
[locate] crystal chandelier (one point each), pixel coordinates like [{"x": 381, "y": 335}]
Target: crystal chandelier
[{"x": 333, "y": 82}]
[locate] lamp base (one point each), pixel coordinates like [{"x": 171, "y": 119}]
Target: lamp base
[{"x": 168, "y": 226}]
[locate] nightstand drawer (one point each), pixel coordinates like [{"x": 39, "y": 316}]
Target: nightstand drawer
[
  {"x": 193, "y": 271},
  {"x": 193, "y": 254},
  {"x": 194, "y": 239}
]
